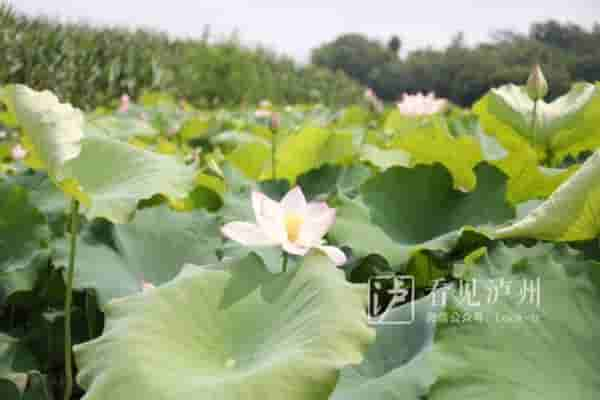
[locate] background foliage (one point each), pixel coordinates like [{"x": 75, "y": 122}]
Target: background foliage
[
  {"x": 567, "y": 53},
  {"x": 91, "y": 66}
]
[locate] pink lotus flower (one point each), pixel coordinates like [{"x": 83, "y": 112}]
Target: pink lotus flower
[
  {"x": 18, "y": 152},
  {"x": 147, "y": 286},
  {"x": 124, "y": 106},
  {"x": 420, "y": 105},
  {"x": 293, "y": 224}
]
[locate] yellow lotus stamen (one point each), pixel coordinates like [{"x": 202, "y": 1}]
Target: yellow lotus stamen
[{"x": 293, "y": 223}]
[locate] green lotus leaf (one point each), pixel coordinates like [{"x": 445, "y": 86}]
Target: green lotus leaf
[
  {"x": 396, "y": 123},
  {"x": 153, "y": 248},
  {"x": 109, "y": 177},
  {"x": 569, "y": 214},
  {"x": 329, "y": 179},
  {"x": 403, "y": 210},
  {"x": 42, "y": 192},
  {"x": 122, "y": 127},
  {"x": 432, "y": 143},
  {"x": 251, "y": 158},
  {"x": 384, "y": 159},
  {"x": 229, "y": 332},
  {"x": 354, "y": 116},
  {"x": 24, "y": 237},
  {"x": 17, "y": 366},
  {"x": 527, "y": 179},
  {"x": 511, "y": 346},
  {"x": 55, "y": 129},
  {"x": 561, "y": 126},
  {"x": 310, "y": 148},
  {"x": 394, "y": 367}
]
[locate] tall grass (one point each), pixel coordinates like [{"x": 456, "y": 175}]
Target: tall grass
[{"x": 92, "y": 66}]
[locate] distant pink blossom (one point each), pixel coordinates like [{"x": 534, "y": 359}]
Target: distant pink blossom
[
  {"x": 18, "y": 152},
  {"x": 147, "y": 286},
  {"x": 124, "y": 105},
  {"x": 420, "y": 105}
]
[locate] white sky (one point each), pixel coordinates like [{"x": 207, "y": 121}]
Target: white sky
[{"x": 295, "y": 27}]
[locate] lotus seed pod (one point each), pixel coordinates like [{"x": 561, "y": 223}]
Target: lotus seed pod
[{"x": 537, "y": 87}]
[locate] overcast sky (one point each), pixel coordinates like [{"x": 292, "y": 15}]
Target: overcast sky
[{"x": 295, "y": 27}]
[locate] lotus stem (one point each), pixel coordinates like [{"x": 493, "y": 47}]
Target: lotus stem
[
  {"x": 284, "y": 262},
  {"x": 534, "y": 122},
  {"x": 273, "y": 153},
  {"x": 69, "y": 299}
]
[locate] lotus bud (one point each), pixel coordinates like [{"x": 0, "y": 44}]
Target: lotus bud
[{"x": 537, "y": 87}]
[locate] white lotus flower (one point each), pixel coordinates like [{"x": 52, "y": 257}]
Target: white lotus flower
[
  {"x": 18, "y": 152},
  {"x": 293, "y": 224},
  {"x": 124, "y": 105},
  {"x": 420, "y": 105}
]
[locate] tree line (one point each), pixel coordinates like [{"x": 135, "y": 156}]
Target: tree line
[{"x": 567, "y": 53}]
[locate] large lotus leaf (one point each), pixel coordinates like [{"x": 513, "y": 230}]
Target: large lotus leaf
[
  {"x": 384, "y": 159},
  {"x": 403, "y": 210},
  {"x": 394, "y": 367},
  {"x": 54, "y": 128},
  {"x": 110, "y": 177},
  {"x": 151, "y": 249},
  {"x": 398, "y": 124},
  {"x": 230, "y": 332},
  {"x": 24, "y": 237},
  {"x": 354, "y": 116},
  {"x": 570, "y": 214},
  {"x": 310, "y": 148},
  {"x": 42, "y": 192},
  {"x": 329, "y": 179},
  {"x": 527, "y": 179},
  {"x": 432, "y": 143},
  {"x": 16, "y": 370},
  {"x": 251, "y": 158},
  {"x": 511, "y": 346},
  {"x": 122, "y": 127},
  {"x": 561, "y": 126}
]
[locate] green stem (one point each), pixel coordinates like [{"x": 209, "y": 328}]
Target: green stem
[
  {"x": 273, "y": 152},
  {"x": 69, "y": 299},
  {"x": 534, "y": 123},
  {"x": 284, "y": 262}
]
